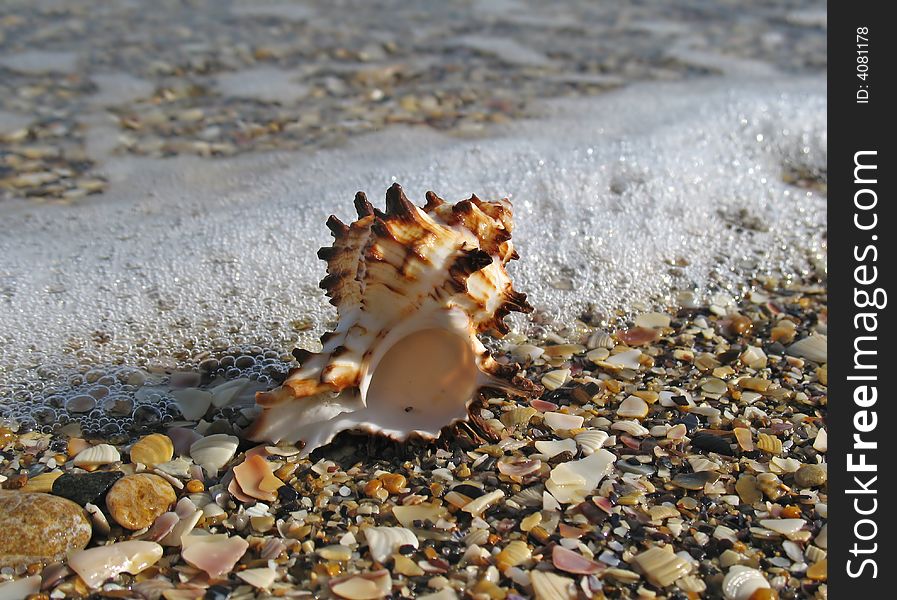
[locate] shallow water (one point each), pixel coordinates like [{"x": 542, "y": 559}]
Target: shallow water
[{"x": 622, "y": 201}]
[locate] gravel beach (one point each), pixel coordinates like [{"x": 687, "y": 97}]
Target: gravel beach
[{"x": 165, "y": 176}]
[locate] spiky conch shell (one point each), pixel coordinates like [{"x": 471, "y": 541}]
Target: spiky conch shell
[{"x": 390, "y": 274}]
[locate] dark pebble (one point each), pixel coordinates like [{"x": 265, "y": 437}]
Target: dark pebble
[
  {"x": 217, "y": 592},
  {"x": 471, "y": 491},
  {"x": 690, "y": 421},
  {"x": 406, "y": 549},
  {"x": 83, "y": 488},
  {"x": 712, "y": 443}
]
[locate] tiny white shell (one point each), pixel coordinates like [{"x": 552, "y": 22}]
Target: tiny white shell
[
  {"x": 591, "y": 440},
  {"x": 559, "y": 421},
  {"x": 783, "y": 526},
  {"x": 96, "y": 565},
  {"x": 384, "y": 541},
  {"x": 741, "y": 582},
  {"x": 101, "y": 454},
  {"x": 214, "y": 451},
  {"x": 633, "y": 428},
  {"x": 572, "y": 481},
  {"x": 813, "y": 347},
  {"x": 628, "y": 359},
  {"x": 554, "y": 447},
  {"x": 258, "y": 578}
]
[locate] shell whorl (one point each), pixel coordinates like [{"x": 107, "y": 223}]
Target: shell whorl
[{"x": 386, "y": 269}]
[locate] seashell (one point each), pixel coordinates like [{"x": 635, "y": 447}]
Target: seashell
[
  {"x": 214, "y": 556},
  {"x": 543, "y": 405},
  {"x": 632, "y": 407},
  {"x": 573, "y": 481},
  {"x": 518, "y": 417},
  {"x": 661, "y": 566},
  {"x": 574, "y": 562},
  {"x": 551, "y": 586},
  {"x": 20, "y": 588},
  {"x": 183, "y": 527},
  {"x": 96, "y": 565},
  {"x": 515, "y": 553},
  {"x": 531, "y": 496},
  {"x": 255, "y": 478},
  {"x": 481, "y": 503},
  {"x": 175, "y": 468},
  {"x": 783, "y": 526},
  {"x": 161, "y": 527},
  {"x": 552, "y": 448},
  {"x": 367, "y": 586},
  {"x": 633, "y": 428},
  {"x": 406, "y": 515},
  {"x": 562, "y": 421},
  {"x": 383, "y": 542},
  {"x": 413, "y": 288},
  {"x": 227, "y": 392},
  {"x": 652, "y": 320},
  {"x": 192, "y": 402},
  {"x": 555, "y": 379},
  {"x": 741, "y": 582},
  {"x": 628, "y": 359},
  {"x": 94, "y": 456},
  {"x": 813, "y": 347},
  {"x": 97, "y": 519},
  {"x": 519, "y": 468},
  {"x": 820, "y": 444},
  {"x": 769, "y": 443},
  {"x": 590, "y": 440},
  {"x": 182, "y": 438},
  {"x": 214, "y": 451},
  {"x": 258, "y": 578},
  {"x": 152, "y": 450}
]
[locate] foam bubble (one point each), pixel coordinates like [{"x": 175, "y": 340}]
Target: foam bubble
[{"x": 619, "y": 202}]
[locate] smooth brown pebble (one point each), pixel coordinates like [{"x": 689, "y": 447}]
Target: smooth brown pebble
[
  {"x": 811, "y": 476},
  {"x": 37, "y": 527},
  {"x": 135, "y": 501}
]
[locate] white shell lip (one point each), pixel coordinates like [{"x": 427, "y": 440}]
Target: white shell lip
[{"x": 413, "y": 287}]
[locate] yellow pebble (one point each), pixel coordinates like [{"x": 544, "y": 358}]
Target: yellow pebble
[
  {"x": 394, "y": 483},
  {"x": 194, "y": 486},
  {"x": 372, "y": 487},
  {"x": 818, "y": 571}
]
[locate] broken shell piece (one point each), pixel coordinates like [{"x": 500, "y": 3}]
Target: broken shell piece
[
  {"x": 367, "y": 586},
  {"x": 214, "y": 451},
  {"x": 632, "y": 407},
  {"x": 152, "y": 450},
  {"x": 783, "y": 526},
  {"x": 555, "y": 379},
  {"x": 660, "y": 566},
  {"x": 519, "y": 467},
  {"x": 741, "y": 582},
  {"x": 94, "y": 456},
  {"x": 813, "y": 347},
  {"x": 590, "y": 440},
  {"x": 551, "y": 586},
  {"x": 552, "y": 448},
  {"x": 227, "y": 392},
  {"x": 481, "y": 503},
  {"x": 255, "y": 478},
  {"x": 192, "y": 402},
  {"x": 413, "y": 288},
  {"x": 406, "y": 515},
  {"x": 562, "y": 421},
  {"x": 96, "y": 565},
  {"x": 258, "y": 578},
  {"x": 20, "y": 588},
  {"x": 574, "y": 562},
  {"x": 383, "y": 542},
  {"x": 515, "y": 553},
  {"x": 161, "y": 527},
  {"x": 573, "y": 481},
  {"x": 214, "y": 556},
  {"x": 628, "y": 359}
]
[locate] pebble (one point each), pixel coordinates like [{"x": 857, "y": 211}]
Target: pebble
[
  {"x": 712, "y": 443},
  {"x": 83, "y": 488},
  {"x": 37, "y": 527},
  {"x": 811, "y": 476},
  {"x": 694, "y": 481},
  {"x": 135, "y": 501}
]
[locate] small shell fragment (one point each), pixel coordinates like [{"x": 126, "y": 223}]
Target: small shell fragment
[
  {"x": 96, "y": 565},
  {"x": 551, "y": 586},
  {"x": 152, "y": 450},
  {"x": 515, "y": 553},
  {"x": 367, "y": 586},
  {"x": 741, "y": 582},
  {"x": 632, "y": 407},
  {"x": 572, "y": 481},
  {"x": 562, "y": 421},
  {"x": 555, "y": 379},
  {"x": 214, "y": 451},
  {"x": 258, "y": 578},
  {"x": 573, "y": 562},
  {"x": 661, "y": 566},
  {"x": 590, "y": 440},
  {"x": 383, "y": 542},
  {"x": 551, "y": 448},
  {"x": 93, "y": 456},
  {"x": 214, "y": 556}
]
